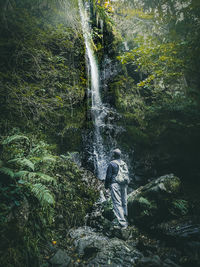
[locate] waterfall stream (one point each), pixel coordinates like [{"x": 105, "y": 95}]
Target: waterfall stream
[{"x": 98, "y": 110}]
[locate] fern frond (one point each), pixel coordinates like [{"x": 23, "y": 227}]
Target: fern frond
[
  {"x": 45, "y": 158},
  {"x": 12, "y": 138},
  {"x": 28, "y": 163},
  {"x": 7, "y": 171},
  {"x": 49, "y": 158},
  {"x": 21, "y": 174},
  {"x": 23, "y": 162},
  {"x": 43, "y": 195},
  {"x": 35, "y": 159},
  {"x": 46, "y": 177},
  {"x": 39, "y": 176}
]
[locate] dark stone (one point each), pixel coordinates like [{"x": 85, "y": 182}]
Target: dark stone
[
  {"x": 169, "y": 263},
  {"x": 153, "y": 261},
  {"x": 184, "y": 235},
  {"x": 60, "y": 259},
  {"x": 153, "y": 203},
  {"x": 180, "y": 230},
  {"x": 98, "y": 250}
]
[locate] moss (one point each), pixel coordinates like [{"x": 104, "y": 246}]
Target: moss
[
  {"x": 147, "y": 207},
  {"x": 133, "y": 135},
  {"x": 172, "y": 184},
  {"x": 144, "y": 201}
]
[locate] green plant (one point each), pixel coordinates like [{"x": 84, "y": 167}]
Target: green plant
[
  {"x": 22, "y": 169},
  {"x": 179, "y": 207}
]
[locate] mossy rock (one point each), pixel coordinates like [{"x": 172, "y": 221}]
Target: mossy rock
[{"x": 156, "y": 201}]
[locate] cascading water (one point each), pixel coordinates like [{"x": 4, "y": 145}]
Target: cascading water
[{"x": 99, "y": 111}]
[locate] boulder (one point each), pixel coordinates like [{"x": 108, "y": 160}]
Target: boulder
[
  {"x": 60, "y": 259},
  {"x": 154, "y": 202},
  {"x": 95, "y": 249}
]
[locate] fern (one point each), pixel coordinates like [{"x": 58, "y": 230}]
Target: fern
[
  {"x": 49, "y": 158},
  {"x": 7, "y": 171},
  {"x": 12, "y": 138},
  {"x": 43, "y": 195},
  {"x": 45, "y": 177},
  {"x": 21, "y": 174},
  {"x": 41, "y": 177},
  {"x": 28, "y": 163},
  {"x": 23, "y": 162}
]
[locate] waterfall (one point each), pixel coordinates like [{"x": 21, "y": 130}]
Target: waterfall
[{"x": 99, "y": 111}]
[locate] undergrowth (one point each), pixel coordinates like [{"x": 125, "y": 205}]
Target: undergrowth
[{"x": 40, "y": 192}]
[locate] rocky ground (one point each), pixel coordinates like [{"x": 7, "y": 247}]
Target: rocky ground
[{"x": 162, "y": 232}]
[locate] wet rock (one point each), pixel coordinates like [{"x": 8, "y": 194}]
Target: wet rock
[
  {"x": 155, "y": 261},
  {"x": 152, "y": 203},
  {"x": 60, "y": 259},
  {"x": 179, "y": 230},
  {"x": 169, "y": 263},
  {"x": 98, "y": 250},
  {"x": 184, "y": 234},
  {"x": 124, "y": 234}
]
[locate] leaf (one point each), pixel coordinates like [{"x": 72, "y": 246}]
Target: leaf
[
  {"x": 12, "y": 138},
  {"x": 49, "y": 158},
  {"x": 42, "y": 194},
  {"x": 17, "y": 203},
  {"x": 22, "y": 182},
  {"x": 7, "y": 171},
  {"x": 41, "y": 177},
  {"x": 28, "y": 163},
  {"x": 45, "y": 177},
  {"x": 21, "y": 174},
  {"x": 23, "y": 162}
]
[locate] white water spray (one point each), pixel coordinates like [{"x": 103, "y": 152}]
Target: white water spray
[{"x": 99, "y": 111}]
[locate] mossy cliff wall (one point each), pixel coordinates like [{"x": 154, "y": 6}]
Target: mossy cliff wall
[{"x": 43, "y": 75}]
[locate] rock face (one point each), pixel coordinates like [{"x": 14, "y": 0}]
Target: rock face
[
  {"x": 95, "y": 249},
  {"x": 156, "y": 201}
]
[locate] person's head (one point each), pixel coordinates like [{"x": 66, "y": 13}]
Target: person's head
[{"x": 116, "y": 153}]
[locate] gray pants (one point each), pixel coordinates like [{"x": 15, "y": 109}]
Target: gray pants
[{"x": 119, "y": 200}]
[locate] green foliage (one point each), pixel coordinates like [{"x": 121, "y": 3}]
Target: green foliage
[
  {"x": 7, "y": 171},
  {"x": 159, "y": 61},
  {"x": 42, "y": 194},
  {"x": 14, "y": 138},
  {"x": 179, "y": 207},
  {"x": 21, "y": 183},
  {"x": 23, "y": 162},
  {"x": 44, "y": 81},
  {"x": 24, "y": 169}
]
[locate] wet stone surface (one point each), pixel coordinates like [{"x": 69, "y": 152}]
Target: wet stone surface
[
  {"x": 96, "y": 249},
  {"x": 60, "y": 259}
]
